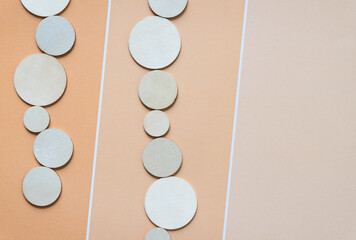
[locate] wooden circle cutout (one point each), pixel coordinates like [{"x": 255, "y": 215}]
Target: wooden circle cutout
[
  {"x": 158, "y": 90},
  {"x": 168, "y": 8},
  {"x": 41, "y": 186},
  {"x": 170, "y": 203},
  {"x": 36, "y": 119},
  {"x": 53, "y": 148},
  {"x": 157, "y": 234},
  {"x": 40, "y": 80},
  {"x": 55, "y": 35},
  {"x": 154, "y": 42},
  {"x": 162, "y": 157},
  {"x": 156, "y": 123},
  {"x": 45, "y": 8}
]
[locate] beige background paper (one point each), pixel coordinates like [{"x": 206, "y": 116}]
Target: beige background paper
[{"x": 294, "y": 170}]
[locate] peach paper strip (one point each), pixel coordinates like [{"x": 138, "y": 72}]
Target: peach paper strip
[
  {"x": 201, "y": 119},
  {"x": 294, "y": 169}
]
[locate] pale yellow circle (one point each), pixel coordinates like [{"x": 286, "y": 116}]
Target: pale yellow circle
[
  {"x": 156, "y": 123},
  {"x": 158, "y": 90},
  {"x": 162, "y": 157}
]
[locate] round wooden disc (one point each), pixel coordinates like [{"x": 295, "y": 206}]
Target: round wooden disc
[
  {"x": 170, "y": 203},
  {"x": 36, "y": 119},
  {"x": 53, "y": 148},
  {"x": 154, "y": 42},
  {"x": 156, "y": 123},
  {"x": 168, "y": 8},
  {"x": 55, "y": 35},
  {"x": 41, "y": 186},
  {"x": 162, "y": 157},
  {"x": 45, "y": 8},
  {"x": 158, "y": 234},
  {"x": 40, "y": 79},
  {"x": 157, "y": 90}
]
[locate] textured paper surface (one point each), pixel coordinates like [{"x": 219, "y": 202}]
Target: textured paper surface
[{"x": 294, "y": 166}]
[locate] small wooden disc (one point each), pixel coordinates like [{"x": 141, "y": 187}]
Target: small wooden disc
[
  {"x": 157, "y": 234},
  {"x": 156, "y": 123},
  {"x": 170, "y": 203},
  {"x": 36, "y": 119},
  {"x": 158, "y": 90},
  {"x": 168, "y": 8},
  {"x": 154, "y": 42},
  {"x": 45, "y": 8},
  {"x": 53, "y": 148},
  {"x": 40, "y": 79},
  {"x": 162, "y": 157},
  {"x": 55, "y": 35},
  {"x": 41, "y": 186}
]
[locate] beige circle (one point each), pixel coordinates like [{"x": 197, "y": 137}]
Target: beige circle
[
  {"x": 40, "y": 79},
  {"x": 45, "y": 8},
  {"x": 53, "y": 148},
  {"x": 157, "y": 234},
  {"x": 167, "y": 8},
  {"x": 158, "y": 90},
  {"x": 154, "y": 42},
  {"x": 170, "y": 203},
  {"x": 156, "y": 123},
  {"x": 55, "y": 35},
  {"x": 41, "y": 186},
  {"x": 36, "y": 119},
  {"x": 162, "y": 157}
]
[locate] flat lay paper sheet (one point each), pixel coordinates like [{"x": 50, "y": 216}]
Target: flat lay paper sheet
[
  {"x": 75, "y": 113},
  {"x": 294, "y": 169},
  {"x": 201, "y": 119},
  {"x": 294, "y": 165}
]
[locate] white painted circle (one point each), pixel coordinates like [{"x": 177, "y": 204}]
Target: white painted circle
[
  {"x": 55, "y": 35},
  {"x": 157, "y": 90},
  {"x": 154, "y": 42},
  {"x": 168, "y": 8},
  {"x": 40, "y": 79},
  {"x": 41, "y": 186},
  {"x": 36, "y": 119},
  {"x": 45, "y": 8},
  {"x": 162, "y": 157},
  {"x": 170, "y": 203},
  {"x": 156, "y": 123},
  {"x": 53, "y": 148},
  {"x": 157, "y": 234}
]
